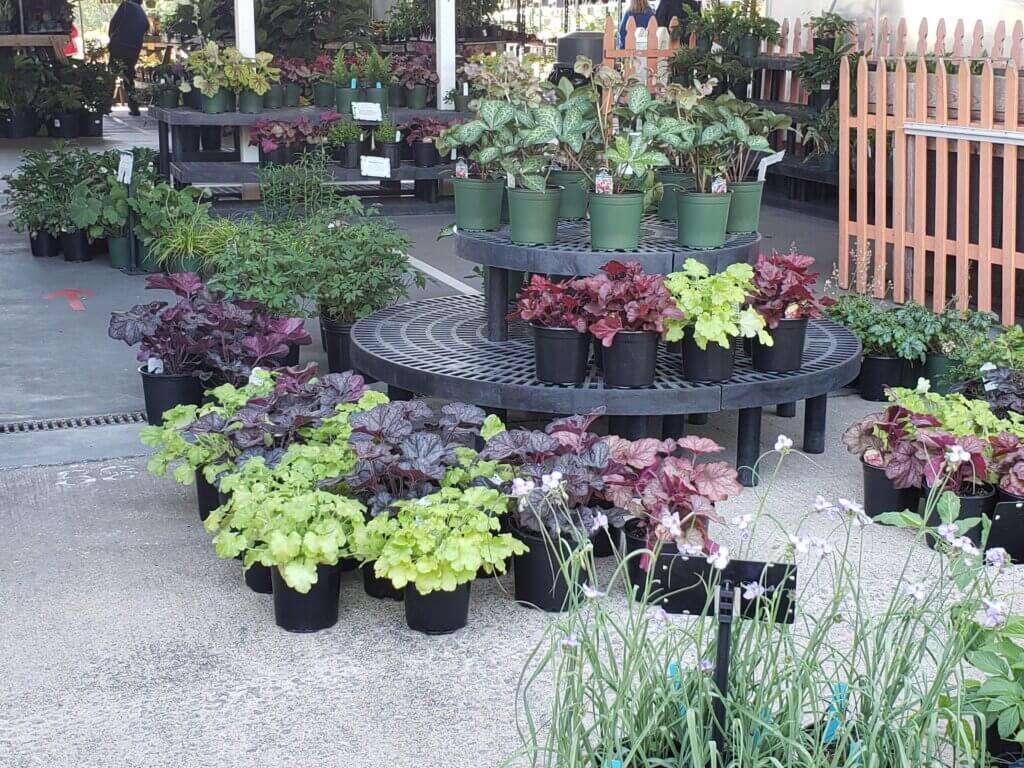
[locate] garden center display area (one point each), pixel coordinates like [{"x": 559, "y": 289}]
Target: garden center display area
[{"x": 518, "y": 480}]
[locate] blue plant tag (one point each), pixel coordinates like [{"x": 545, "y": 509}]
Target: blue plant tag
[
  {"x": 839, "y": 691},
  {"x": 853, "y": 756},
  {"x": 765, "y": 716},
  {"x": 354, "y": 84}
]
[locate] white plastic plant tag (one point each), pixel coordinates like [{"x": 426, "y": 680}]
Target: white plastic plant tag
[
  {"x": 155, "y": 365},
  {"x": 125, "y": 166},
  {"x": 465, "y": 89},
  {"x": 510, "y": 182},
  {"x": 719, "y": 186},
  {"x": 556, "y": 166},
  {"x": 826, "y": 86},
  {"x": 461, "y": 169},
  {"x": 603, "y": 184},
  {"x": 398, "y": 137},
  {"x": 56, "y": 122},
  {"x": 990, "y": 385},
  {"x": 257, "y": 377},
  {"x": 375, "y": 167},
  {"x": 366, "y": 110},
  {"x": 762, "y": 167},
  {"x": 454, "y": 153}
]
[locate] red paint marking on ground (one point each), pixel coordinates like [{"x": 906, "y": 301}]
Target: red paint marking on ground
[{"x": 73, "y": 296}]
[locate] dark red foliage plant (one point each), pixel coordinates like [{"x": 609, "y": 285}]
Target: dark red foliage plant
[
  {"x": 622, "y": 297},
  {"x": 784, "y": 288},
  {"x": 1008, "y": 462},
  {"x": 891, "y": 441},
  {"x": 551, "y": 304}
]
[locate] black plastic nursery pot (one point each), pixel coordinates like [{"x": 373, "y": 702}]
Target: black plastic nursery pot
[
  {"x": 1006, "y": 752},
  {"x": 787, "y": 350},
  {"x": 533, "y": 215},
  {"x": 163, "y": 391},
  {"x": 211, "y": 138},
  {"x": 310, "y": 612},
  {"x": 478, "y": 203},
  {"x": 337, "y": 342},
  {"x": 291, "y": 358},
  {"x": 323, "y": 95},
  {"x": 206, "y": 495},
  {"x": 981, "y": 503},
  {"x": 1007, "y": 529},
  {"x": 374, "y": 586},
  {"x": 259, "y": 578},
  {"x": 539, "y": 581},
  {"x": 425, "y": 154},
  {"x": 606, "y": 541},
  {"x": 274, "y": 97},
  {"x": 63, "y": 126},
  {"x": 292, "y": 94},
  {"x": 392, "y": 151},
  {"x": 878, "y": 373},
  {"x": 881, "y": 496},
  {"x": 572, "y": 204},
  {"x": 283, "y": 155},
  {"x": 437, "y": 613},
  {"x": 713, "y": 363},
  {"x": 629, "y": 362},
  {"x": 353, "y": 151},
  {"x": 560, "y": 355},
  {"x": 43, "y": 244},
  {"x": 90, "y": 124},
  {"x": 23, "y": 125},
  {"x": 615, "y": 221},
  {"x": 677, "y": 582},
  {"x": 825, "y": 42},
  {"x": 75, "y": 246}
]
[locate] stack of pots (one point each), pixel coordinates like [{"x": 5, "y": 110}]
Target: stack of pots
[{"x": 705, "y": 220}]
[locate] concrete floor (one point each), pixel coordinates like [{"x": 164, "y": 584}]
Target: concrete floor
[{"x": 127, "y": 643}]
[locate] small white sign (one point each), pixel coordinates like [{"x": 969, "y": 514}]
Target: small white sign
[
  {"x": 375, "y": 167},
  {"x": 125, "y": 167},
  {"x": 155, "y": 365},
  {"x": 762, "y": 167},
  {"x": 366, "y": 110}
]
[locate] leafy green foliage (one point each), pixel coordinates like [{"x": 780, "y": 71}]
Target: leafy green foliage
[
  {"x": 298, "y": 190},
  {"x": 957, "y": 414},
  {"x": 878, "y": 328},
  {"x": 207, "y": 66},
  {"x": 244, "y": 74},
  {"x": 342, "y": 133},
  {"x": 713, "y": 305},
  {"x": 1003, "y": 350},
  {"x": 440, "y": 541},
  {"x": 160, "y": 208}
]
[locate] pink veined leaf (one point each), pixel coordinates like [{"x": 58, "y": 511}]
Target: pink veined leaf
[
  {"x": 638, "y": 454},
  {"x": 716, "y": 480},
  {"x": 700, "y": 446}
]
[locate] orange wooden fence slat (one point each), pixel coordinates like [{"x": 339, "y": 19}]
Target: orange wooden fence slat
[
  {"x": 863, "y": 119},
  {"x": 985, "y": 192},
  {"x": 880, "y": 163},
  {"x": 963, "y": 180},
  {"x": 899, "y": 199},
  {"x": 843, "y": 256},
  {"x": 1009, "y": 267},
  {"x": 941, "y": 191},
  {"x": 920, "y": 190}
]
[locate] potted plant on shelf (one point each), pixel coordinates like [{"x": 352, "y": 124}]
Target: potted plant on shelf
[
  {"x": 60, "y": 104},
  {"x": 886, "y": 444},
  {"x": 374, "y": 74},
  {"x": 575, "y": 149},
  {"x": 749, "y": 29},
  {"x": 823, "y": 138},
  {"x": 322, "y": 81},
  {"x": 675, "y": 177},
  {"x": 957, "y": 330},
  {"x": 418, "y": 76},
  {"x": 708, "y": 148},
  {"x": 712, "y": 314},
  {"x": 827, "y": 28},
  {"x": 35, "y": 203},
  {"x": 385, "y": 139},
  {"x": 206, "y": 66},
  {"x": 165, "y": 89},
  {"x": 345, "y": 77},
  {"x": 345, "y": 140},
  {"x": 280, "y": 141},
  {"x": 422, "y": 134},
  {"x": 433, "y": 547},
  {"x": 627, "y": 311},
  {"x": 395, "y": 87},
  {"x": 28, "y": 77},
  {"x": 96, "y": 81},
  {"x": 296, "y": 75},
  {"x": 818, "y": 71},
  {"x": 249, "y": 79},
  {"x": 554, "y": 310},
  {"x": 111, "y": 219},
  {"x": 783, "y": 295},
  {"x": 479, "y": 193}
]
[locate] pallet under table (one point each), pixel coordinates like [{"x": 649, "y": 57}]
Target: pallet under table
[{"x": 440, "y": 347}]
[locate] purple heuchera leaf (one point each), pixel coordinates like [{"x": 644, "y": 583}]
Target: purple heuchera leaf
[
  {"x": 184, "y": 284},
  {"x": 291, "y": 328}
]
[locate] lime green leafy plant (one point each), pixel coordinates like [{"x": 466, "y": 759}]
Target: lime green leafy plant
[
  {"x": 712, "y": 304},
  {"x": 245, "y": 74},
  {"x": 958, "y": 415},
  {"x": 207, "y": 68}
]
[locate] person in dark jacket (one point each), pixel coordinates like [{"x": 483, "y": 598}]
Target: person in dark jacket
[
  {"x": 669, "y": 9},
  {"x": 641, "y": 14},
  {"x": 127, "y": 29}
]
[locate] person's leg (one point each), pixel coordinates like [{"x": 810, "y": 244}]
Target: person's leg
[{"x": 128, "y": 78}]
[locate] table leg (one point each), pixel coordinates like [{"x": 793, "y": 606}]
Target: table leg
[
  {"x": 748, "y": 445},
  {"x": 673, "y": 426},
  {"x": 496, "y": 298},
  {"x": 397, "y": 393},
  {"x": 814, "y": 424},
  {"x": 628, "y": 427},
  {"x": 698, "y": 418},
  {"x": 165, "y": 149},
  {"x": 786, "y": 410}
]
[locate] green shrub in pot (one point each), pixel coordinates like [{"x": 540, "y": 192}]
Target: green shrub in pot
[
  {"x": 250, "y": 78},
  {"x": 479, "y": 195},
  {"x": 160, "y": 208},
  {"x": 33, "y": 196}
]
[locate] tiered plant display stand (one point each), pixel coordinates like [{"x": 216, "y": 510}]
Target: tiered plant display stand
[{"x": 462, "y": 348}]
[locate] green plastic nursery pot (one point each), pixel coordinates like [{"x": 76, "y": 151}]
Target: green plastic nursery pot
[
  {"x": 167, "y": 99},
  {"x": 274, "y": 97},
  {"x": 702, "y": 219},
  {"x": 375, "y": 96},
  {"x": 145, "y": 262},
  {"x": 343, "y": 98},
  {"x": 120, "y": 253},
  {"x": 461, "y": 102},
  {"x": 672, "y": 182},
  {"x": 615, "y": 221},
  {"x": 231, "y": 104},
  {"x": 478, "y": 203},
  {"x": 416, "y": 97},
  {"x": 573, "y": 201},
  {"x": 250, "y": 103},
  {"x": 214, "y": 105},
  {"x": 533, "y": 215},
  {"x": 748, "y": 47},
  {"x": 745, "y": 208},
  {"x": 396, "y": 95},
  {"x": 292, "y": 94},
  {"x": 323, "y": 94},
  {"x": 936, "y": 370}
]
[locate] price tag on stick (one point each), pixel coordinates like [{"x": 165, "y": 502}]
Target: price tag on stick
[
  {"x": 125, "y": 167},
  {"x": 375, "y": 167},
  {"x": 368, "y": 111}
]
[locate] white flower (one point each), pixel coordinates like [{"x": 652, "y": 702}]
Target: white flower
[
  {"x": 687, "y": 549},
  {"x": 850, "y": 507},
  {"x": 997, "y": 558},
  {"x": 965, "y": 545},
  {"x": 521, "y": 488},
  {"x": 783, "y": 444},
  {"x": 591, "y": 593},
  {"x": 551, "y": 482},
  {"x": 670, "y": 522},
  {"x": 571, "y": 641},
  {"x": 496, "y": 480},
  {"x": 948, "y": 531},
  {"x": 800, "y": 545},
  {"x": 719, "y": 559},
  {"x": 986, "y": 367},
  {"x": 915, "y": 590},
  {"x": 956, "y": 455},
  {"x": 705, "y": 665},
  {"x": 821, "y": 504},
  {"x": 659, "y": 615},
  {"x": 743, "y": 521},
  {"x": 994, "y": 614},
  {"x": 923, "y": 385},
  {"x": 752, "y": 590},
  {"x": 819, "y": 547},
  {"x": 600, "y": 521}
]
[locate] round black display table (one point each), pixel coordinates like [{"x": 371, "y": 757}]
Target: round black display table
[
  {"x": 658, "y": 253},
  {"x": 439, "y": 347}
]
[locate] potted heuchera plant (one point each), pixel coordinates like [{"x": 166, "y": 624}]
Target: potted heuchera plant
[
  {"x": 321, "y": 78},
  {"x": 711, "y": 316},
  {"x": 1008, "y": 463},
  {"x": 560, "y": 343},
  {"x": 207, "y": 69},
  {"x": 559, "y": 504},
  {"x": 281, "y": 141},
  {"x": 249, "y": 78},
  {"x": 958, "y": 465},
  {"x": 296, "y": 74},
  {"x": 783, "y": 295},
  {"x": 417, "y": 75},
  {"x": 893, "y": 466},
  {"x": 626, "y": 311},
  {"x": 421, "y": 136},
  {"x": 672, "y": 499}
]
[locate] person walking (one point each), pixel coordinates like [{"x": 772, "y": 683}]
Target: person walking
[
  {"x": 127, "y": 29},
  {"x": 641, "y": 13},
  {"x": 670, "y": 9}
]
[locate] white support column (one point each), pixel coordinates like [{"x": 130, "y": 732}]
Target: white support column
[
  {"x": 245, "y": 41},
  {"x": 445, "y": 41}
]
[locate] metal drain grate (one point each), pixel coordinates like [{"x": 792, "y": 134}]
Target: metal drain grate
[{"x": 76, "y": 422}]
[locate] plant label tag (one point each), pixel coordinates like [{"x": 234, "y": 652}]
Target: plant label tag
[
  {"x": 155, "y": 365},
  {"x": 125, "y": 167},
  {"x": 510, "y": 182},
  {"x": 366, "y": 110},
  {"x": 826, "y": 86},
  {"x": 603, "y": 184},
  {"x": 398, "y": 137},
  {"x": 454, "y": 153},
  {"x": 258, "y": 377},
  {"x": 719, "y": 186},
  {"x": 56, "y": 122},
  {"x": 762, "y": 167},
  {"x": 375, "y": 167},
  {"x": 990, "y": 385},
  {"x": 461, "y": 169},
  {"x": 465, "y": 89}
]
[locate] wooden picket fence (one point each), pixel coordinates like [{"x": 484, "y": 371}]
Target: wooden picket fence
[{"x": 933, "y": 164}]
